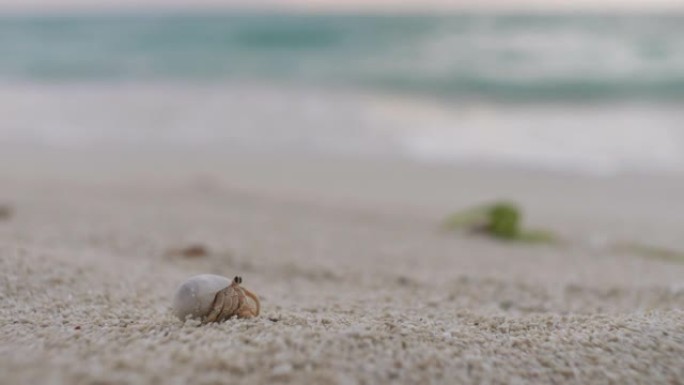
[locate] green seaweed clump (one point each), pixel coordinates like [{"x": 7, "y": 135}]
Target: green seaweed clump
[
  {"x": 501, "y": 220},
  {"x": 504, "y": 221}
]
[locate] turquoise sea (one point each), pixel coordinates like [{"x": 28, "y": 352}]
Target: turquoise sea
[
  {"x": 509, "y": 57},
  {"x": 591, "y": 92}
]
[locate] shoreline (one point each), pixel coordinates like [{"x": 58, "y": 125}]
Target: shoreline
[{"x": 625, "y": 137}]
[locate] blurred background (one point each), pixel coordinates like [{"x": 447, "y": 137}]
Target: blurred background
[{"x": 595, "y": 88}]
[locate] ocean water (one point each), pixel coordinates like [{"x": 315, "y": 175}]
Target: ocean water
[{"x": 591, "y": 93}]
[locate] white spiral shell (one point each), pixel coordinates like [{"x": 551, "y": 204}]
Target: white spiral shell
[{"x": 194, "y": 297}]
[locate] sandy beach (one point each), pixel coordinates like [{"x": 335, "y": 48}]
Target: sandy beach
[{"x": 359, "y": 284}]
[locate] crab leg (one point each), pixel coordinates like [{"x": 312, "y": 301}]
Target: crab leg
[
  {"x": 216, "y": 307},
  {"x": 256, "y": 301}
]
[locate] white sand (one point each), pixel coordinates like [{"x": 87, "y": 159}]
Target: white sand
[{"x": 359, "y": 284}]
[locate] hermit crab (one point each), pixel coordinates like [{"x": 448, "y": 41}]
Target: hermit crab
[{"x": 213, "y": 298}]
